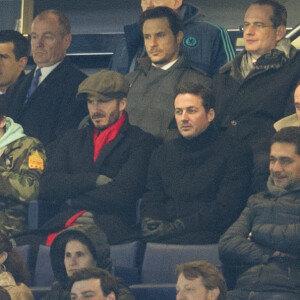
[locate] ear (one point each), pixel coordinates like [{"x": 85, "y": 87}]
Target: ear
[
  {"x": 177, "y": 4},
  {"x": 211, "y": 114},
  {"x": 280, "y": 32},
  {"x": 22, "y": 63},
  {"x": 179, "y": 37},
  {"x": 67, "y": 41},
  {"x": 2, "y": 122},
  {"x": 3, "y": 257},
  {"x": 111, "y": 296},
  {"x": 213, "y": 294},
  {"x": 123, "y": 104}
]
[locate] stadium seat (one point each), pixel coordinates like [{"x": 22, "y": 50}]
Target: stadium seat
[
  {"x": 160, "y": 260},
  {"x": 43, "y": 275},
  {"x": 154, "y": 291},
  {"x": 124, "y": 261}
]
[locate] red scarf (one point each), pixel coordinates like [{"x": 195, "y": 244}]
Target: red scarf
[
  {"x": 69, "y": 223},
  {"x": 107, "y": 135}
]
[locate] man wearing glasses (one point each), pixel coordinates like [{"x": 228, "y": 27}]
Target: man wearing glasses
[{"x": 256, "y": 88}]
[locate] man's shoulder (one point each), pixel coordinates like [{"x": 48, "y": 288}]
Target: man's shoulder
[
  {"x": 138, "y": 134},
  {"x": 66, "y": 68},
  {"x": 288, "y": 121}
]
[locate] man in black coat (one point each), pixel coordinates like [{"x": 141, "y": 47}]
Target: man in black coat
[
  {"x": 102, "y": 167},
  {"x": 197, "y": 184},
  {"x": 43, "y": 102},
  {"x": 13, "y": 60},
  {"x": 256, "y": 88}
]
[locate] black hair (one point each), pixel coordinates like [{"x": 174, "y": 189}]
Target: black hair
[
  {"x": 21, "y": 44},
  {"x": 175, "y": 22},
  {"x": 108, "y": 283},
  {"x": 290, "y": 135},
  {"x": 205, "y": 93}
]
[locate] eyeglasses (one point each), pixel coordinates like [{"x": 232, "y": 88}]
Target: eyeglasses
[{"x": 256, "y": 25}]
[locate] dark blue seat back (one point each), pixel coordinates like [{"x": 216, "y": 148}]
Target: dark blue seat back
[
  {"x": 43, "y": 275},
  {"x": 160, "y": 260},
  {"x": 124, "y": 261}
]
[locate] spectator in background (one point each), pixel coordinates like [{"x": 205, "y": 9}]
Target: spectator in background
[
  {"x": 198, "y": 183},
  {"x": 13, "y": 275},
  {"x": 78, "y": 247},
  {"x": 255, "y": 89},
  {"x": 95, "y": 283},
  {"x": 22, "y": 161},
  {"x": 207, "y": 45},
  {"x": 43, "y": 102},
  {"x": 294, "y": 119},
  {"x": 199, "y": 280},
  {"x": 153, "y": 84},
  {"x": 263, "y": 245},
  {"x": 13, "y": 60}
]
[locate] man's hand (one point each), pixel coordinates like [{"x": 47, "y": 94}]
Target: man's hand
[
  {"x": 282, "y": 254},
  {"x": 102, "y": 179},
  {"x": 86, "y": 218},
  {"x": 155, "y": 229}
]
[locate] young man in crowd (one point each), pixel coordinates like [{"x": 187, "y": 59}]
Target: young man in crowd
[
  {"x": 263, "y": 245},
  {"x": 153, "y": 84},
  {"x": 198, "y": 183},
  {"x": 199, "y": 280},
  {"x": 207, "y": 45}
]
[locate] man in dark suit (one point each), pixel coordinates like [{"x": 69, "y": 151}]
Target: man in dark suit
[{"x": 44, "y": 101}]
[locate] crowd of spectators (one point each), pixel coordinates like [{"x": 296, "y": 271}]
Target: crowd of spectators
[{"x": 180, "y": 142}]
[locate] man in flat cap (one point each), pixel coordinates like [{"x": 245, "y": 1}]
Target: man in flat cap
[{"x": 97, "y": 173}]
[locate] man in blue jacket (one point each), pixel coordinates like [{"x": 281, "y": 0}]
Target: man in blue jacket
[{"x": 207, "y": 45}]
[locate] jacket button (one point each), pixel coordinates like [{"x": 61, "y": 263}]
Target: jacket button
[{"x": 233, "y": 122}]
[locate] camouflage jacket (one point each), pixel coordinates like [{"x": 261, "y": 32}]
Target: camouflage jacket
[{"x": 21, "y": 164}]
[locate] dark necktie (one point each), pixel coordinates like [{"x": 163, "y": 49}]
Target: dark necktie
[{"x": 34, "y": 84}]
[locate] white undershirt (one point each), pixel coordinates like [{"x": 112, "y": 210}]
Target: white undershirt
[
  {"x": 167, "y": 66},
  {"x": 45, "y": 71}
]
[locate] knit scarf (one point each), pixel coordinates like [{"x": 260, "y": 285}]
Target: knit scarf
[
  {"x": 271, "y": 60},
  {"x": 107, "y": 135}
]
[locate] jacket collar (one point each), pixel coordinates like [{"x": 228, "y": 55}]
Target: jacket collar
[{"x": 274, "y": 59}]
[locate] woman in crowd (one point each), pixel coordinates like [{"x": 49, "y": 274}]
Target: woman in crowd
[
  {"x": 13, "y": 275},
  {"x": 80, "y": 246}
]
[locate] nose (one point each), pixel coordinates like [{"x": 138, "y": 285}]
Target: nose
[
  {"x": 73, "y": 261},
  {"x": 184, "y": 116},
  {"x": 153, "y": 41},
  {"x": 39, "y": 42},
  {"x": 180, "y": 296},
  {"x": 277, "y": 166},
  {"x": 249, "y": 30}
]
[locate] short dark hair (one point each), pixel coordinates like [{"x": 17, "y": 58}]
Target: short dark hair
[
  {"x": 210, "y": 276},
  {"x": 175, "y": 22},
  {"x": 108, "y": 283},
  {"x": 21, "y": 45},
  {"x": 199, "y": 90},
  {"x": 279, "y": 16},
  {"x": 64, "y": 22},
  {"x": 290, "y": 135}
]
